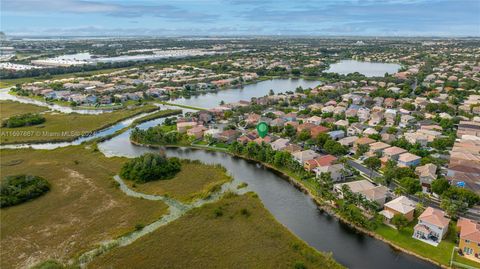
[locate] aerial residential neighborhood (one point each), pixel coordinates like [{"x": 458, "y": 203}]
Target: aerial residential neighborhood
[{"x": 240, "y": 134}]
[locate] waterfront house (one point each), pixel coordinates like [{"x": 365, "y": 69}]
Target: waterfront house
[
  {"x": 432, "y": 226},
  {"x": 336, "y": 171},
  {"x": 280, "y": 144},
  {"x": 292, "y": 148},
  {"x": 319, "y": 161},
  {"x": 244, "y": 139},
  {"x": 183, "y": 126},
  {"x": 469, "y": 243},
  {"x": 228, "y": 136},
  {"x": 259, "y": 140},
  {"x": 305, "y": 155},
  {"x": 364, "y": 187},
  {"x": 196, "y": 131},
  {"x": 399, "y": 206}
]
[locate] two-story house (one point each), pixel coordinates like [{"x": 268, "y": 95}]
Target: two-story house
[
  {"x": 469, "y": 242},
  {"x": 432, "y": 226}
]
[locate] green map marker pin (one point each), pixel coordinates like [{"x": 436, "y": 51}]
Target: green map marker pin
[{"x": 262, "y": 129}]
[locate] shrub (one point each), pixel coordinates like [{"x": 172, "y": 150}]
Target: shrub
[
  {"x": 218, "y": 212},
  {"x": 400, "y": 221},
  {"x": 23, "y": 120},
  {"x": 299, "y": 265},
  {"x": 245, "y": 212},
  {"x": 150, "y": 167},
  {"x": 21, "y": 188}
]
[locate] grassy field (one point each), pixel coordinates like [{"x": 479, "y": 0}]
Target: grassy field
[
  {"x": 83, "y": 207},
  {"x": 195, "y": 180},
  {"x": 10, "y": 108},
  {"x": 12, "y": 82},
  {"x": 66, "y": 127},
  {"x": 236, "y": 232}
]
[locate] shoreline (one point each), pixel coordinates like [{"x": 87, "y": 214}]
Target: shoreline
[
  {"x": 319, "y": 203},
  {"x": 73, "y": 138}
]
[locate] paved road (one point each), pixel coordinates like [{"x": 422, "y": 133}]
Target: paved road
[
  {"x": 472, "y": 213},
  {"x": 363, "y": 169}
]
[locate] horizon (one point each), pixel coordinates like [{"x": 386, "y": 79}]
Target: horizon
[{"x": 227, "y": 18}]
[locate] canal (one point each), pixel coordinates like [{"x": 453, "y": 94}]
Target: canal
[{"x": 289, "y": 206}]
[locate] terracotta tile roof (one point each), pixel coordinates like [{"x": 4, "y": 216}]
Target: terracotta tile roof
[
  {"x": 408, "y": 157},
  {"x": 364, "y": 140},
  {"x": 469, "y": 229},
  {"x": 391, "y": 151},
  {"x": 322, "y": 161},
  {"x": 435, "y": 217}
]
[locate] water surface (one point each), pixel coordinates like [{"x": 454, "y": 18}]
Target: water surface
[
  {"x": 369, "y": 69},
  {"x": 246, "y": 93}
]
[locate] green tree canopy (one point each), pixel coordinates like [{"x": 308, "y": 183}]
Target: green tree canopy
[{"x": 150, "y": 167}]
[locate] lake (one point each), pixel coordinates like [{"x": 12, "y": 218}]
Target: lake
[
  {"x": 246, "y": 93},
  {"x": 369, "y": 69}
]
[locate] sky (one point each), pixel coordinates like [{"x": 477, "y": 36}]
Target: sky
[{"x": 240, "y": 17}]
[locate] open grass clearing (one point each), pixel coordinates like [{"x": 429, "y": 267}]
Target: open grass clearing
[
  {"x": 195, "y": 180},
  {"x": 10, "y": 108},
  {"x": 83, "y": 208},
  {"x": 235, "y": 232}
]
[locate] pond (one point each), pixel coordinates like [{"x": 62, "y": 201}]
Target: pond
[{"x": 369, "y": 69}]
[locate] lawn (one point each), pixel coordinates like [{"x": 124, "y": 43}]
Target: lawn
[
  {"x": 195, "y": 180},
  {"x": 236, "y": 232},
  {"x": 440, "y": 254},
  {"x": 10, "y": 108},
  {"x": 459, "y": 259},
  {"x": 83, "y": 207},
  {"x": 66, "y": 127}
]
